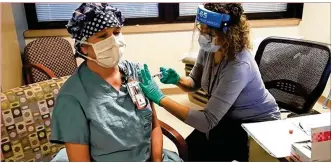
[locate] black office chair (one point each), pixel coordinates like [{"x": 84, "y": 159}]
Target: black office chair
[{"x": 294, "y": 71}]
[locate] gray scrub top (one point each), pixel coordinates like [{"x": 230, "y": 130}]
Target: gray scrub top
[
  {"x": 239, "y": 91},
  {"x": 90, "y": 111}
]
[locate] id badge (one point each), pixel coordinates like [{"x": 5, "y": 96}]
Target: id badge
[{"x": 136, "y": 94}]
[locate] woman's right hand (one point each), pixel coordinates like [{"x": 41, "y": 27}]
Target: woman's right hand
[{"x": 169, "y": 76}]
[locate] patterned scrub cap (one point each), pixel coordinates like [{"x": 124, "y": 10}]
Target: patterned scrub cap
[{"x": 91, "y": 18}]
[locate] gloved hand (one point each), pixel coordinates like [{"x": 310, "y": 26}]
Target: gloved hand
[
  {"x": 169, "y": 76},
  {"x": 149, "y": 86}
]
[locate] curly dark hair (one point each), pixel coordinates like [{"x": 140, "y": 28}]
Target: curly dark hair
[{"x": 237, "y": 36}]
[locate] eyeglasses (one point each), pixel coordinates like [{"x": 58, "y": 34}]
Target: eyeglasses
[{"x": 205, "y": 31}]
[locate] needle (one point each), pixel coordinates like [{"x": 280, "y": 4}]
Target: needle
[
  {"x": 158, "y": 74},
  {"x": 303, "y": 129},
  {"x": 307, "y": 147}
]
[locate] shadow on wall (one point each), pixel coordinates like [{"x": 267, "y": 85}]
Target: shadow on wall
[{"x": 20, "y": 23}]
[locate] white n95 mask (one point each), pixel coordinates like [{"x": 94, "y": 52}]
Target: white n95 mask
[
  {"x": 207, "y": 43},
  {"x": 107, "y": 52}
]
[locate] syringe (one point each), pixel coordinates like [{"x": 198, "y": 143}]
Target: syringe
[{"x": 158, "y": 74}]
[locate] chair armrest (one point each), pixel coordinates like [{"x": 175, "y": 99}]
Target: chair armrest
[
  {"x": 176, "y": 138},
  {"x": 41, "y": 68}
]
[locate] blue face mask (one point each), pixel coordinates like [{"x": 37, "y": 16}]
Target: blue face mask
[{"x": 207, "y": 43}]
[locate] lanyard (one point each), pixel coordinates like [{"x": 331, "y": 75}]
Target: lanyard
[
  {"x": 124, "y": 75},
  {"x": 214, "y": 79}
]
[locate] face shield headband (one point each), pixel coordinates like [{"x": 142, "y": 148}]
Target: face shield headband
[{"x": 212, "y": 19}]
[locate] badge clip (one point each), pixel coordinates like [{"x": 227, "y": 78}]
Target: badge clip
[{"x": 136, "y": 94}]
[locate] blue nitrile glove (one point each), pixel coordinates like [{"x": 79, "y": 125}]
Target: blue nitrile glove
[
  {"x": 169, "y": 76},
  {"x": 149, "y": 86}
]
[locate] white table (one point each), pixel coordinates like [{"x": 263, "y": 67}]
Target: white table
[{"x": 274, "y": 137}]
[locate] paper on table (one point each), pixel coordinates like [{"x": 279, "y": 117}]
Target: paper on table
[
  {"x": 274, "y": 136},
  {"x": 312, "y": 122}
]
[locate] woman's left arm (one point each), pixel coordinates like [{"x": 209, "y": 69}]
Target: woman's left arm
[
  {"x": 156, "y": 137},
  {"x": 228, "y": 90}
]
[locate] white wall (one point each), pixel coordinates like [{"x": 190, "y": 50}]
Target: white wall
[{"x": 316, "y": 22}]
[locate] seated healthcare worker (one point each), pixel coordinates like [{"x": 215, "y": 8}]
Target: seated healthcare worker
[
  {"x": 227, "y": 71},
  {"x": 94, "y": 115}
]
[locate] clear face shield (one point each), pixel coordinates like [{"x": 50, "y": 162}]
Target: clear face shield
[{"x": 204, "y": 37}]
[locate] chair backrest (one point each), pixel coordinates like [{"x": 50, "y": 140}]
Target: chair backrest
[
  {"x": 294, "y": 71},
  {"x": 54, "y": 53},
  {"x": 26, "y": 114}
]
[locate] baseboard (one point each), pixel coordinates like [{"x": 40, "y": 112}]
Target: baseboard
[{"x": 322, "y": 99}]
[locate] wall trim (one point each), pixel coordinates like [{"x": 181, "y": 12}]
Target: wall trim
[
  {"x": 172, "y": 91},
  {"x": 159, "y": 28}
]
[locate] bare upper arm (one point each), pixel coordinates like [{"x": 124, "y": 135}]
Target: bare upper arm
[
  {"x": 155, "y": 121},
  {"x": 78, "y": 152}
]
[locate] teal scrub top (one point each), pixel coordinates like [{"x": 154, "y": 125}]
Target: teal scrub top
[{"x": 90, "y": 111}]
